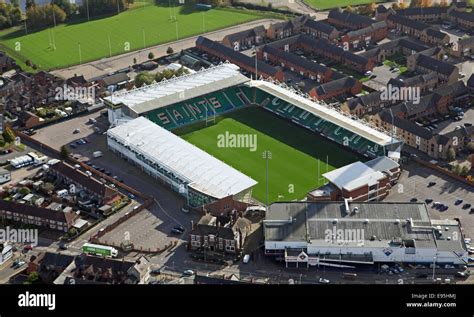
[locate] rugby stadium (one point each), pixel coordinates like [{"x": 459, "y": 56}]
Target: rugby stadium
[{"x": 171, "y": 129}]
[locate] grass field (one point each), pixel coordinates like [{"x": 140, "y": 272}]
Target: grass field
[
  {"x": 327, "y": 4},
  {"x": 91, "y": 39},
  {"x": 293, "y": 168}
]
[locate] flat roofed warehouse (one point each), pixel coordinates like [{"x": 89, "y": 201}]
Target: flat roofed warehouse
[
  {"x": 371, "y": 232},
  {"x": 194, "y": 173}
]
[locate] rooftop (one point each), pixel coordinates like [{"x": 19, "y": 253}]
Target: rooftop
[
  {"x": 167, "y": 92},
  {"x": 382, "y": 224},
  {"x": 199, "y": 169},
  {"x": 353, "y": 176}
]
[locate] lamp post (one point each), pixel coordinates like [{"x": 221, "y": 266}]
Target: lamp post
[{"x": 267, "y": 155}]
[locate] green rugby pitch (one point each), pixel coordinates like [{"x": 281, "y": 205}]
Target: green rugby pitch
[
  {"x": 296, "y": 152},
  {"x": 78, "y": 43}
]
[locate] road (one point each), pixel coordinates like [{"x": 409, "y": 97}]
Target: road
[{"x": 109, "y": 65}]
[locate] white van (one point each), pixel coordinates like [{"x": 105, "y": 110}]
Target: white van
[
  {"x": 246, "y": 258},
  {"x": 97, "y": 154}
]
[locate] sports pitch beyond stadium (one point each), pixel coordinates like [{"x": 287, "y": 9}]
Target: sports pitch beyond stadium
[
  {"x": 76, "y": 43},
  {"x": 296, "y": 152}
]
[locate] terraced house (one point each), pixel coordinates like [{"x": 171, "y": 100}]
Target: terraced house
[
  {"x": 362, "y": 37},
  {"x": 245, "y": 39},
  {"x": 352, "y": 21},
  {"x": 295, "y": 63}
]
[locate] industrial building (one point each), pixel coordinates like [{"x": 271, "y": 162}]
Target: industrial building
[{"x": 348, "y": 233}]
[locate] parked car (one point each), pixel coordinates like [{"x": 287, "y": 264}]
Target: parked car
[
  {"x": 428, "y": 200},
  {"x": 179, "y": 228},
  {"x": 76, "y": 131},
  {"x": 155, "y": 271},
  {"x": 458, "y": 202},
  {"x": 471, "y": 211},
  {"x": 63, "y": 246},
  {"x": 176, "y": 231},
  {"x": 466, "y": 206},
  {"x": 188, "y": 272},
  {"x": 414, "y": 200},
  {"x": 323, "y": 280},
  {"x": 19, "y": 264}
]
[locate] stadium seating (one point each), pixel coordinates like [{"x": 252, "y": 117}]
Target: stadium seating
[
  {"x": 200, "y": 108},
  {"x": 326, "y": 128},
  {"x": 230, "y": 99}
]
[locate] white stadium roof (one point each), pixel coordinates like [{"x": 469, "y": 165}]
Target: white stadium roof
[
  {"x": 353, "y": 176},
  {"x": 167, "y": 92},
  {"x": 356, "y": 126},
  {"x": 204, "y": 172}
]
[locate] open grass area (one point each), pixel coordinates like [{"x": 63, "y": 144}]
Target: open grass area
[
  {"x": 147, "y": 25},
  {"x": 296, "y": 152},
  {"x": 327, "y": 4}
]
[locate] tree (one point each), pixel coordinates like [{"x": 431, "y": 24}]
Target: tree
[
  {"x": 443, "y": 3},
  {"x": 9, "y": 135},
  {"x": 33, "y": 278},
  {"x": 64, "y": 152},
  {"x": 29, "y": 4},
  {"x": 68, "y": 7},
  {"x": 169, "y": 50},
  {"x": 457, "y": 169},
  {"x": 101, "y": 7},
  {"x": 10, "y": 15},
  {"x": 451, "y": 154},
  {"x": 416, "y": 3},
  {"x": 151, "y": 55},
  {"x": 426, "y": 3},
  {"x": 368, "y": 9},
  {"x": 41, "y": 16},
  {"x": 143, "y": 78},
  {"x": 470, "y": 147},
  {"x": 395, "y": 6},
  {"x": 134, "y": 61},
  {"x": 168, "y": 73},
  {"x": 349, "y": 9},
  {"x": 465, "y": 170}
]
